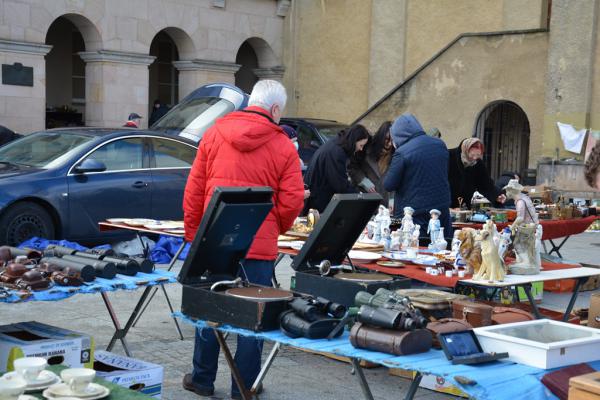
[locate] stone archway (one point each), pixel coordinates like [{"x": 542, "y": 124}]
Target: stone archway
[
  {"x": 66, "y": 96},
  {"x": 504, "y": 128},
  {"x": 257, "y": 60}
]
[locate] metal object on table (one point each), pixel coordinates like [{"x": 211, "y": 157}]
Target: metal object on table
[
  {"x": 363, "y": 277},
  {"x": 263, "y": 294},
  {"x": 86, "y": 271},
  {"x": 104, "y": 269}
]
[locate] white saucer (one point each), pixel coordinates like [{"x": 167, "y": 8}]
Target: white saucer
[
  {"x": 26, "y": 397},
  {"x": 45, "y": 379},
  {"x": 93, "y": 392}
]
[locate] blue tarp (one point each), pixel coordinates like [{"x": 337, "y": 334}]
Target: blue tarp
[
  {"x": 501, "y": 380},
  {"x": 41, "y": 243},
  {"x": 165, "y": 249}
]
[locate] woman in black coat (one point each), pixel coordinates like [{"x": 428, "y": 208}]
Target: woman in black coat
[
  {"x": 467, "y": 173},
  {"x": 367, "y": 168},
  {"x": 327, "y": 173}
]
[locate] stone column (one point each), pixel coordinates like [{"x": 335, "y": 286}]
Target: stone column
[
  {"x": 23, "y": 108},
  {"x": 116, "y": 84},
  {"x": 196, "y": 73},
  {"x": 571, "y": 54},
  {"x": 275, "y": 73}
]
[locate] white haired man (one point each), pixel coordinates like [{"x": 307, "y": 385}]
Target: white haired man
[{"x": 244, "y": 148}]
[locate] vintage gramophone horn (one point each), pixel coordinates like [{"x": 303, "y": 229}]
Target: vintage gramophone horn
[
  {"x": 324, "y": 267},
  {"x": 235, "y": 283}
]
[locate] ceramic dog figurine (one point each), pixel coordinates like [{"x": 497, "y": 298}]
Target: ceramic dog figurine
[
  {"x": 492, "y": 266},
  {"x": 469, "y": 250}
]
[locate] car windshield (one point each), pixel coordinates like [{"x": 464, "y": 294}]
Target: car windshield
[
  {"x": 330, "y": 131},
  {"x": 43, "y": 149},
  {"x": 192, "y": 118}
]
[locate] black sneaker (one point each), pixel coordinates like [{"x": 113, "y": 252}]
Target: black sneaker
[
  {"x": 238, "y": 396},
  {"x": 189, "y": 385}
]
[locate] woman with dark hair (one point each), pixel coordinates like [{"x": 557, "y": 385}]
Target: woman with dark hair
[
  {"x": 368, "y": 167},
  {"x": 327, "y": 173}
]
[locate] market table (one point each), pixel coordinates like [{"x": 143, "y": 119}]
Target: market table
[
  {"x": 553, "y": 229},
  {"x": 102, "y": 286},
  {"x": 497, "y": 380},
  {"x": 108, "y": 226}
]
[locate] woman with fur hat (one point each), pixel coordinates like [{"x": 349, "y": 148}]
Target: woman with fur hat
[{"x": 467, "y": 173}]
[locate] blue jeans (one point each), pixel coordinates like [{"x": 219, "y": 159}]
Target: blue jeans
[{"x": 249, "y": 350}]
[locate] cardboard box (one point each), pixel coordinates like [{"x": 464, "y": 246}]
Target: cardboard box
[
  {"x": 34, "y": 339},
  {"x": 585, "y": 387},
  {"x": 594, "y": 311},
  {"x": 128, "y": 372},
  {"x": 431, "y": 382}
]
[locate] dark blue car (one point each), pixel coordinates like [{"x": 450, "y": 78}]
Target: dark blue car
[{"x": 60, "y": 183}]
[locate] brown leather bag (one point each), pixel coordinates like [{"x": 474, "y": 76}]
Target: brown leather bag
[
  {"x": 507, "y": 315},
  {"x": 447, "y": 325},
  {"x": 476, "y": 314},
  {"x": 390, "y": 341}
]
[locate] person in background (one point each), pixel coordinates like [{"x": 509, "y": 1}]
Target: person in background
[
  {"x": 293, "y": 135},
  {"x": 467, "y": 173},
  {"x": 158, "y": 110},
  {"x": 7, "y": 135},
  {"x": 418, "y": 173},
  {"x": 133, "y": 121},
  {"x": 592, "y": 167},
  {"x": 327, "y": 173},
  {"x": 244, "y": 148},
  {"x": 367, "y": 168}
]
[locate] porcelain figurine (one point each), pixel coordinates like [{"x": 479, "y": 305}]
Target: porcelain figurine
[
  {"x": 407, "y": 226},
  {"x": 440, "y": 242},
  {"x": 492, "y": 266},
  {"x": 525, "y": 210},
  {"x": 412, "y": 249},
  {"x": 455, "y": 244},
  {"x": 433, "y": 228},
  {"x": 539, "y": 233},
  {"x": 524, "y": 243},
  {"x": 385, "y": 222},
  {"x": 504, "y": 242},
  {"x": 396, "y": 241},
  {"x": 470, "y": 250}
]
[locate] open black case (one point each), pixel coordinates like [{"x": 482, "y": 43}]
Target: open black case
[
  {"x": 224, "y": 236},
  {"x": 335, "y": 233},
  {"x": 463, "y": 348}
]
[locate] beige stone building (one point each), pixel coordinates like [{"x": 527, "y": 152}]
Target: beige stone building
[
  {"x": 503, "y": 70},
  {"x": 93, "y": 62}
]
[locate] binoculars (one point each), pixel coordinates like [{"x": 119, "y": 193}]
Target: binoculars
[
  {"x": 386, "y": 309},
  {"x": 314, "y": 308}
]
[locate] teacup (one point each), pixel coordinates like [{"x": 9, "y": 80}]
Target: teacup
[
  {"x": 30, "y": 367},
  {"x": 78, "y": 379},
  {"x": 11, "y": 388}
]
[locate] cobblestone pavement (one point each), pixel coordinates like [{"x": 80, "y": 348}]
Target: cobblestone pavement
[{"x": 295, "y": 375}]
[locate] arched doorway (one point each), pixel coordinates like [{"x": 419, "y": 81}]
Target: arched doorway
[
  {"x": 504, "y": 128},
  {"x": 245, "y": 77},
  {"x": 65, "y": 75},
  {"x": 164, "y": 77}
]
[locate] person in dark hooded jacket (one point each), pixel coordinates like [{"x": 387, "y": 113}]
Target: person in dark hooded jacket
[
  {"x": 418, "y": 173},
  {"x": 327, "y": 173}
]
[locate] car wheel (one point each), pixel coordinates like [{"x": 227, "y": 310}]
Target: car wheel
[{"x": 23, "y": 221}]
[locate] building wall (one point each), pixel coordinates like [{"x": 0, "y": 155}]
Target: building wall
[
  {"x": 451, "y": 91},
  {"x": 118, "y": 35}
]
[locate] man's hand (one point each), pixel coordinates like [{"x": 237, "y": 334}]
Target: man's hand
[
  {"x": 372, "y": 190},
  {"x": 501, "y": 199}
]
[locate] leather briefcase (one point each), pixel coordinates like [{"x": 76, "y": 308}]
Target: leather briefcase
[
  {"x": 476, "y": 314},
  {"x": 432, "y": 303},
  {"x": 558, "y": 381},
  {"x": 507, "y": 315},
  {"x": 446, "y": 325},
  {"x": 389, "y": 341}
]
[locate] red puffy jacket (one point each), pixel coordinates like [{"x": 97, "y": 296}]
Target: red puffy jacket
[{"x": 246, "y": 149}]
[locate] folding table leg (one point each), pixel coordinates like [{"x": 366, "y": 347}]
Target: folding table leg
[
  {"x": 154, "y": 290},
  {"x": 171, "y": 308},
  {"x": 246, "y": 394},
  {"x": 120, "y": 333},
  {"x": 555, "y": 248},
  {"x": 361, "y": 379},
  {"x": 265, "y": 368},
  {"x": 578, "y": 284},
  {"x": 414, "y": 386},
  {"x": 527, "y": 288}
]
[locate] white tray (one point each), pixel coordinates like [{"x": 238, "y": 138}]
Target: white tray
[{"x": 542, "y": 343}]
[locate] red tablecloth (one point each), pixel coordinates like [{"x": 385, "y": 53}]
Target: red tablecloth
[{"x": 553, "y": 229}]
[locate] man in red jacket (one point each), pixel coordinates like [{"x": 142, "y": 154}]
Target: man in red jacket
[{"x": 244, "y": 148}]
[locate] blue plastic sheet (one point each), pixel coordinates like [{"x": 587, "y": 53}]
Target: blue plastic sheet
[
  {"x": 119, "y": 282},
  {"x": 41, "y": 243},
  {"x": 165, "y": 249},
  {"x": 495, "y": 381}
]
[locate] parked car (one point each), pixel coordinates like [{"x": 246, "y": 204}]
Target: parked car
[
  {"x": 312, "y": 133},
  {"x": 60, "y": 183}
]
